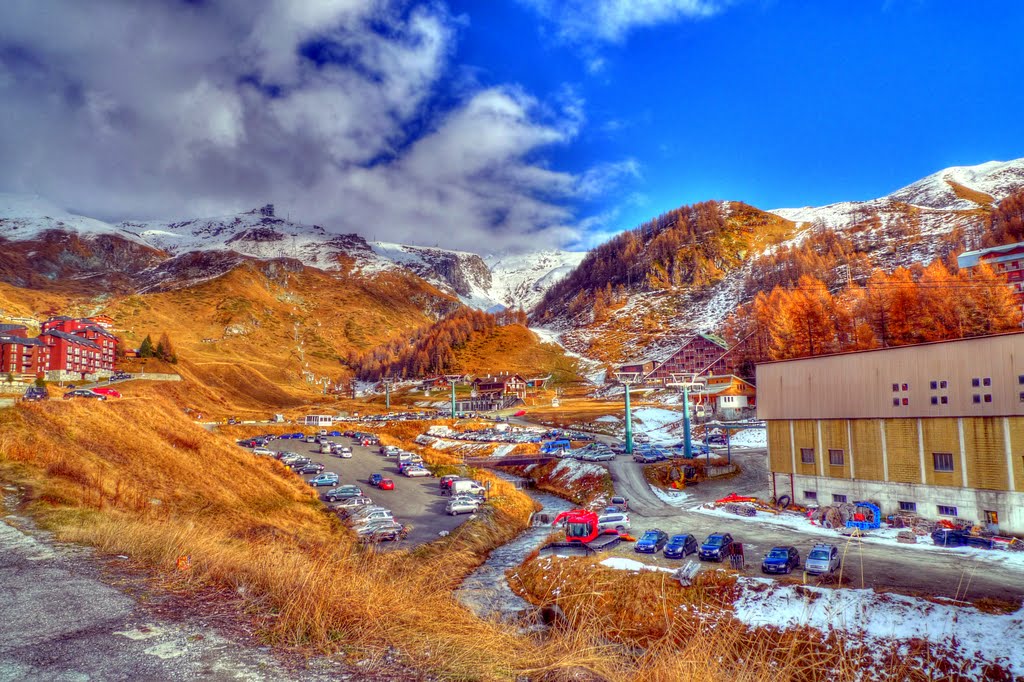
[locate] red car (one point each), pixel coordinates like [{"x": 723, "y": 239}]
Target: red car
[
  {"x": 386, "y": 484},
  {"x": 109, "y": 392},
  {"x": 520, "y": 413}
]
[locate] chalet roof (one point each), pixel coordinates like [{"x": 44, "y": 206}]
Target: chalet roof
[
  {"x": 97, "y": 329},
  {"x": 24, "y": 341},
  {"x": 12, "y": 328},
  {"x": 714, "y": 338},
  {"x": 969, "y": 259},
  {"x": 80, "y": 340},
  {"x": 60, "y": 318}
]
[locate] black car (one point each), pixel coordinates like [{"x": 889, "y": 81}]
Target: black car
[
  {"x": 37, "y": 393},
  {"x": 651, "y": 542},
  {"x": 680, "y": 546},
  {"x": 84, "y": 393},
  {"x": 716, "y": 547},
  {"x": 311, "y": 468},
  {"x": 780, "y": 560}
]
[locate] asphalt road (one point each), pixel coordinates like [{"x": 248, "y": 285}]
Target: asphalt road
[
  {"x": 416, "y": 502},
  {"x": 901, "y": 568}
]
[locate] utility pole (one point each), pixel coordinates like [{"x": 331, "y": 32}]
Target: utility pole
[
  {"x": 387, "y": 393},
  {"x": 687, "y": 448}
]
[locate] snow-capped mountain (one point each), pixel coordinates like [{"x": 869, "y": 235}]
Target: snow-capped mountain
[
  {"x": 520, "y": 280},
  {"x": 515, "y": 282}
]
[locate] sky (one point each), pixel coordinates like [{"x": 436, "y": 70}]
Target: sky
[{"x": 497, "y": 125}]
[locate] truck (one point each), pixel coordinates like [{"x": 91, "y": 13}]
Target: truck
[
  {"x": 584, "y": 534},
  {"x": 464, "y": 486}
]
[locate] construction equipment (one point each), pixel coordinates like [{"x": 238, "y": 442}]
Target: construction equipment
[
  {"x": 583, "y": 534},
  {"x": 861, "y": 520}
]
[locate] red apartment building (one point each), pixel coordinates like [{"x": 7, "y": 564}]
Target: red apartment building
[
  {"x": 65, "y": 344},
  {"x": 20, "y": 354}
]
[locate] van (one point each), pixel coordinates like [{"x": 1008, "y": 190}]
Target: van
[
  {"x": 464, "y": 486},
  {"x": 326, "y": 448}
]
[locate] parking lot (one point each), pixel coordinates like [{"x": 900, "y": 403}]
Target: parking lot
[{"x": 415, "y": 502}]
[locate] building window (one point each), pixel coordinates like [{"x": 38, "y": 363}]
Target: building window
[
  {"x": 945, "y": 510},
  {"x": 905, "y": 387},
  {"x": 810, "y": 494},
  {"x": 908, "y": 506},
  {"x": 835, "y": 458},
  {"x": 933, "y": 385},
  {"x": 838, "y": 498},
  {"x": 988, "y": 397},
  {"x": 942, "y": 384},
  {"x": 1020, "y": 379},
  {"x": 895, "y": 402},
  {"x": 935, "y": 400},
  {"x": 976, "y": 398},
  {"x": 906, "y": 401},
  {"x": 895, "y": 387},
  {"x": 943, "y": 461},
  {"x": 987, "y": 381},
  {"x": 975, "y": 382},
  {"x": 807, "y": 455},
  {"x": 944, "y": 400}
]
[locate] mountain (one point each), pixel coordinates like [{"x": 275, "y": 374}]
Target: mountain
[
  {"x": 520, "y": 280},
  {"x": 687, "y": 270}
]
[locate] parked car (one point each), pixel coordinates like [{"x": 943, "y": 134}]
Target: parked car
[
  {"x": 109, "y": 392},
  {"x": 345, "y": 452},
  {"x": 619, "y": 522},
  {"x": 680, "y": 546},
  {"x": 83, "y": 393},
  {"x": 822, "y": 560},
  {"x": 716, "y": 547},
  {"x": 311, "y": 468},
  {"x": 461, "y": 505},
  {"x": 342, "y": 492},
  {"x": 645, "y": 457},
  {"x": 370, "y": 517},
  {"x": 445, "y": 482},
  {"x": 375, "y": 479},
  {"x": 385, "y": 531},
  {"x": 328, "y": 478},
  {"x": 263, "y": 452},
  {"x": 780, "y": 560},
  {"x": 36, "y": 393},
  {"x": 353, "y": 503},
  {"x": 651, "y": 541},
  {"x": 311, "y": 439},
  {"x": 413, "y": 471},
  {"x": 386, "y": 484},
  {"x": 619, "y": 501}
]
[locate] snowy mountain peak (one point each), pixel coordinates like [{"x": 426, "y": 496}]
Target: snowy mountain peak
[
  {"x": 27, "y": 216},
  {"x": 964, "y": 187}
]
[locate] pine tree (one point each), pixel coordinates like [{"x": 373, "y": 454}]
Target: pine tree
[{"x": 146, "y": 348}]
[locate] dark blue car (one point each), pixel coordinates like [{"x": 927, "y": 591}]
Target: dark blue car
[
  {"x": 375, "y": 479},
  {"x": 680, "y": 546},
  {"x": 716, "y": 547},
  {"x": 651, "y": 542},
  {"x": 780, "y": 560}
]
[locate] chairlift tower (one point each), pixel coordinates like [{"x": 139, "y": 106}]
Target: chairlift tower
[
  {"x": 387, "y": 393},
  {"x": 627, "y": 379},
  {"x": 686, "y": 381}
]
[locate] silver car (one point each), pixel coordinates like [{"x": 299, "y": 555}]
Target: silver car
[
  {"x": 461, "y": 505},
  {"x": 619, "y": 522},
  {"x": 822, "y": 560}
]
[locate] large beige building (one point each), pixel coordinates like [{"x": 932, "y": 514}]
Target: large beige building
[{"x": 936, "y": 428}]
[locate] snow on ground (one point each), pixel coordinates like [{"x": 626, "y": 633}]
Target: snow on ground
[
  {"x": 573, "y": 470},
  {"x": 880, "y": 536},
  {"x": 970, "y": 632},
  {"x": 749, "y": 438},
  {"x": 676, "y": 498},
  {"x": 608, "y": 419},
  {"x": 656, "y": 422},
  {"x": 624, "y": 564}
]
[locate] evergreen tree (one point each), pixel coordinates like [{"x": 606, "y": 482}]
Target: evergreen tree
[{"x": 146, "y": 348}]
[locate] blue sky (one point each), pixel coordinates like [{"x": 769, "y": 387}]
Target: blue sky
[
  {"x": 498, "y": 125},
  {"x": 774, "y": 103}
]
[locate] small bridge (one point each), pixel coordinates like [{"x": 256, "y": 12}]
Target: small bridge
[{"x": 521, "y": 461}]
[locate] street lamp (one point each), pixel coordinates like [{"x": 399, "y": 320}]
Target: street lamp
[
  {"x": 387, "y": 393},
  {"x": 627, "y": 379}
]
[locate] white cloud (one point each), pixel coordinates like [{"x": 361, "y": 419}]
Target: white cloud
[
  {"x": 168, "y": 110},
  {"x": 612, "y": 20}
]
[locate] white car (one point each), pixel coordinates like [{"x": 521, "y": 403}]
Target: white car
[
  {"x": 415, "y": 471},
  {"x": 263, "y": 451},
  {"x": 345, "y": 452},
  {"x": 354, "y": 502}
]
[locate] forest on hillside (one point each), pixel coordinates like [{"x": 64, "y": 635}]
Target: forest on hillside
[
  {"x": 909, "y": 305},
  {"x": 429, "y": 350},
  {"x": 691, "y": 246}
]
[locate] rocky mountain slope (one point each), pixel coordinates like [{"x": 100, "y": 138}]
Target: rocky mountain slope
[
  {"x": 146, "y": 254},
  {"x": 687, "y": 270}
]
